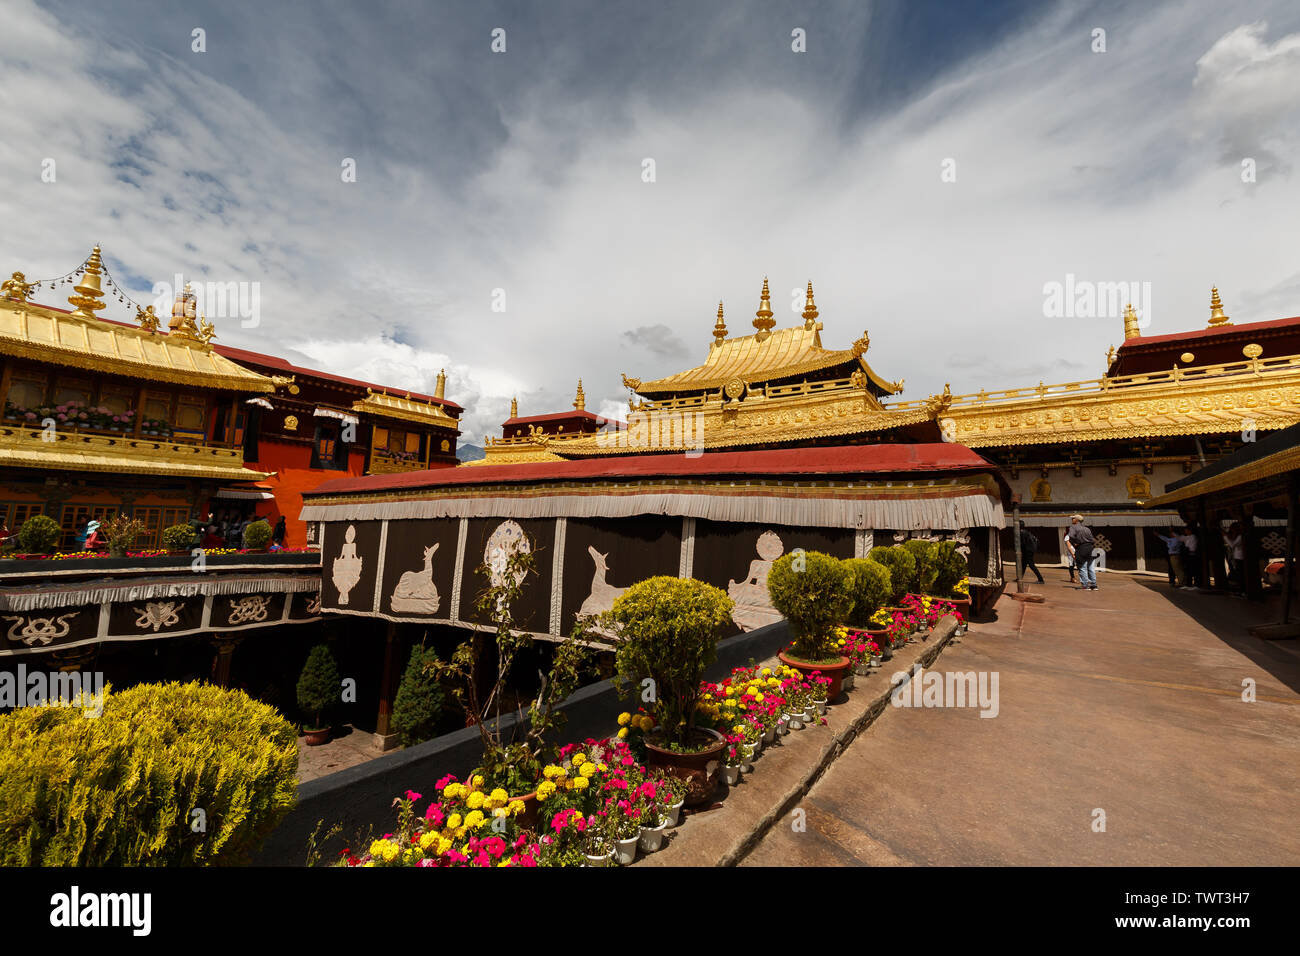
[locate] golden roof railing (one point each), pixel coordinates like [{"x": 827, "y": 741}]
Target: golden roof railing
[{"x": 1256, "y": 367}]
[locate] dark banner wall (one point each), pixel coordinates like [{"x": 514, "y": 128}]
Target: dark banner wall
[
  {"x": 159, "y": 616},
  {"x": 485, "y": 536},
  {"x": 419, "y": 568},
  {"x": 348, "y": 567},
  {"x": 603, "y": 557}
]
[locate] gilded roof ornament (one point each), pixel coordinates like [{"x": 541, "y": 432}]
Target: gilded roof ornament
[
  {"x": 90, "y": 297},
  {"x": 936, "y": 405},
  {"x": 719, "y": 330},
  {"x": 861, "y": 345},
  {"x": 186, "y": 324},
  {"x": 810, "y": 312},
  {"x": 440, "y": 387},
  {"x": 1131, "y": 325},
  {"x": 632, "y": 383},
  {"x": 1217, "y": 317},
  {"x": 1110, "y": 356},
  {"x": 763, "y": 320},
  {"x": 514, "y": 408},
  {"x": 17, "y": 287},
  {"x": 580, "y": 400},
  {"x": 148, "y": 319}
]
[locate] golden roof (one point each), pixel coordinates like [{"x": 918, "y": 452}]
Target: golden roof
[
  {"x": 780, "y": 353},
  {"x": 28, "y": 448},
  {"x": 41, "y": 334},
  {"x": 405, "y": 408}
]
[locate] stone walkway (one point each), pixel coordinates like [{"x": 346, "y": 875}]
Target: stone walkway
[
  {"x": 1126, "y": 700},
  {"x": 347, "y": 748}
]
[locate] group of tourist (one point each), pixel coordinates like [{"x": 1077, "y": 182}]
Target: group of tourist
[{"x": 1184, "y": 555}]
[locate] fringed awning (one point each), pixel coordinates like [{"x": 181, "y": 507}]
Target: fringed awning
[
  {"x": 260, "y": 402},
  {"x": 334, "y": 413},
  {"x": 957, "y": 508},
  {"x": 72, "y": 595}
]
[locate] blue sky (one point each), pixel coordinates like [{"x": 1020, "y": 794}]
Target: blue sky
[{"x": 522, "y": 171}]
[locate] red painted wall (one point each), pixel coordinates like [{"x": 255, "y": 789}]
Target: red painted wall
[{"x": 292, "y": 462}]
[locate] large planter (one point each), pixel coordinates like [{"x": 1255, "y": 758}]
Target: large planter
[
  {"x": 699, "y": 769},
  {"x": 835, "y": 672},
  {"x": 314, "y": 738}
]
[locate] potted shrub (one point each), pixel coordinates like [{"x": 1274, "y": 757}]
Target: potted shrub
[
  {"x": 951, "y": 582},
  {"x": 318, "y": 689},
  {"x": 39, "y": 534},
  {"x": 257, "y": 535},
  {"x": 870, "y": 588},
  {"x": 902, "y": 571},
  {"x": 418, "y": 705},
  {"x": 923, "y": 554},
  {"x": 120, "y": 532},
  {"x": 666, "y": 632},
  {"x": 812, "y": 591},
  {"x": 178, "y": 537}
]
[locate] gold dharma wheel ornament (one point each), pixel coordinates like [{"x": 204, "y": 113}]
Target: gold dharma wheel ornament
[
  {"x": 734, "y": 389},
  {"x": 1187, "y": 358},
  {"x": 1252, "y": 351},
  {"x": 290, "y": 422}
]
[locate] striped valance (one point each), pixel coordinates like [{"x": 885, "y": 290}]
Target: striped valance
[{"x": 98, "y": 592}]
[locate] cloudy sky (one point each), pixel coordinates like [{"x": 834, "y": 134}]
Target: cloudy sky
[{"x": 931, "y": 167}]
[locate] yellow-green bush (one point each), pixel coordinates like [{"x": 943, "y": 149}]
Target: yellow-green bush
[{"x": 120, "y": 789}]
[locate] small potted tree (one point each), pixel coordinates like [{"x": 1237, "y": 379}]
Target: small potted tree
[
  {"x": 666, "y": 633},
  {"x": 318, "y": 689},
  {"x": 902, "y": 571},
  {"x": 256, "y": 535},
  {"x": 951, "y": 581},
  {"x": 418, "y": 705},
  {"x": 120, "y": 532},
  {"x": 177, "y": 538},
  {"x": 923, "y": 554},
  {"x": 813, "y": 591},
  {"x": 38, "y": 535},
  {"x": 871, "y": 591}
]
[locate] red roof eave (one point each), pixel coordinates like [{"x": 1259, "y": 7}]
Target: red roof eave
[
  {"x": 1224, "y": 331},
  {"x": 846, "y": 460}
]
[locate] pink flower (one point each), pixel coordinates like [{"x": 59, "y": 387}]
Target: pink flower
[
  {"x": 412, "y": 796},
  {"x": 446, "y": 781}
]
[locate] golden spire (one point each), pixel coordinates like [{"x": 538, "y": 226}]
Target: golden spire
[
  {"x": 720, "y": 327},
  {"x": 810, "y": 310},
  {"x": 514, "y": 408},
  {"x": 441, "y": 387},
  {"x": 1130, "y": 323},
  {"x": 580, "y": 400},
  {"x": 1217, "y": 317},
  {"x": 89, "y": 297},
  {"x": 763, "y": 317}
]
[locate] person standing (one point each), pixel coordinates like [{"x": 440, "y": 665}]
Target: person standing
[
  {"x": 1236, "y": 545},
  {"x": 1191, "y": 557},
  {"x": 1174, "y": 544},
  {"x": 277, "y": 536},
  {"x": 1081, "y": 537},
  {"x": 1069, "y": 553},
  {"x": 1028, "y": 545}
]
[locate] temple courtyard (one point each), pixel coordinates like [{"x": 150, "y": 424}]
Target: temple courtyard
[{"x": 1126, "y": 701}]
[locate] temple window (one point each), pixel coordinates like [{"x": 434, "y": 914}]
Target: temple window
[
  {"x": 328, "y": 451},
  {"x": 402, "y": 445}
]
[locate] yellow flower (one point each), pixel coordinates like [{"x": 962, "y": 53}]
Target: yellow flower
[
  {"x": 499, "y": 797},
  {"x": 580, "y": 783},
  {"x": 475, "y": 819},
  {"x": 428, "y": 839},
  {"x": 758, "y": 698},
  {"x": 475, "y": 800},
  {"x": 454, "y": 821},
  {"x": 500, "y": 812},
  {"x": 451, "y": 791},
  {"x": 517, "y": 806},
  {"x": 551, "y": 771},
  {"x": 647, "y": 723},
  {"x": 623, "y": 718},
  {"x": 579, "y": 759},
  {"x": 587, "y": 770},
  {"x": 544, "y": 791},
  {"x": 478, "y": 781},
  {"x": 766, "y": 672},
  {"x": 622, "y": 733}
]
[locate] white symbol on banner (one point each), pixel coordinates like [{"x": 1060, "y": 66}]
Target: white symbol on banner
[
  {"x": 603, "y": 595},
  {"x": 415, "y": 592},
  {"x": 40, "y": 629},
  {"x": 246, "y": 609},
  {"x": 347, "y": 566},
  {"x": 157, "y": 614},
  {"x": 753, "y": 603}
]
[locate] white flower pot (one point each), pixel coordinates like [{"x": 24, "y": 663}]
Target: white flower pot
[
  {"x": 652, "y": 838},
  {"x": 783, "y": 725},
  {"x": 675, "y": 813},
  {"x": 863, "y": 669},
  {"x": 730, "y": 775},
  {"x": 797, "y": 721},
  {"x": 769, "y": 735},
  {"x": 848, "y": 681},
  {"x": 821, "y": 706},
  {"x": 599, "y": 860},
  {"x": 625, "y": 850}
]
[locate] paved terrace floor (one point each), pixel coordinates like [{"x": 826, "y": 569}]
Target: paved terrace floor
[{"x": 1126, "y": 699}]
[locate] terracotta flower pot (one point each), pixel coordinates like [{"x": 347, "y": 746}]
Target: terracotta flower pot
[
  {"x": 699, "y": 769},
  {"x": 528, "y": 816},
  {"x": 835, "y": 672},
  {"x": 314, "y": 738}
]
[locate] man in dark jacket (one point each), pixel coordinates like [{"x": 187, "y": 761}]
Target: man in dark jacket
[
  {"x": 1081, "y": 537},
  {"x": 1028, "y": 545}
]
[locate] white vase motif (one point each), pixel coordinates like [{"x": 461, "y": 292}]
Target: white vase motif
[{"x": 347, "y": 566}]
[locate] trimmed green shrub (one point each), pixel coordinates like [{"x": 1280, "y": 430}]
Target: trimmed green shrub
[
  {"x": 950, "y": 567},
  {"x": 902, "y": 570},
  {"x": 39, "y": 534},
  {"x": 811, "y": 590},
  {"x": 923, "y": 553},
  {"x": 419, "y": 698},
  {"x": 318, "y": 686},
  {"x": 178, "y": 537},
  {"x": 122, "y": 789},
  {"x": 256, "y": 535},
  {"x": 668, "y": 631},
  {"x": 870, "y": 588}
]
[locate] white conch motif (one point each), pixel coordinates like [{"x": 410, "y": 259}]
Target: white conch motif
[
  {"x": 251, "y": 608},
  {"x": 507, "y": 540},
  {"x": 39, "y": 629},
  {"x": 753, "y": 605},
  {"x": 603, "y": 595},
  {"x": 347, "y": 566},
  {"x": 415, "y": 592},
  {"x": 157, "y": 614}
]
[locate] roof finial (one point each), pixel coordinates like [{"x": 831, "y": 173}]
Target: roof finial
[
  {"x": 89, "y": 297},
  {"x": 763, "y": 320},
  {"x": 440, "y": 387},
  {"x": 720, "y": 327},
  {"x": 1217, "y": 317},
  {"x": 514, "y": 407},
  {"x": 1130, "y": 323},
  {"x": 580, "y": 400},
  {"x": 810, "y": 310}
]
